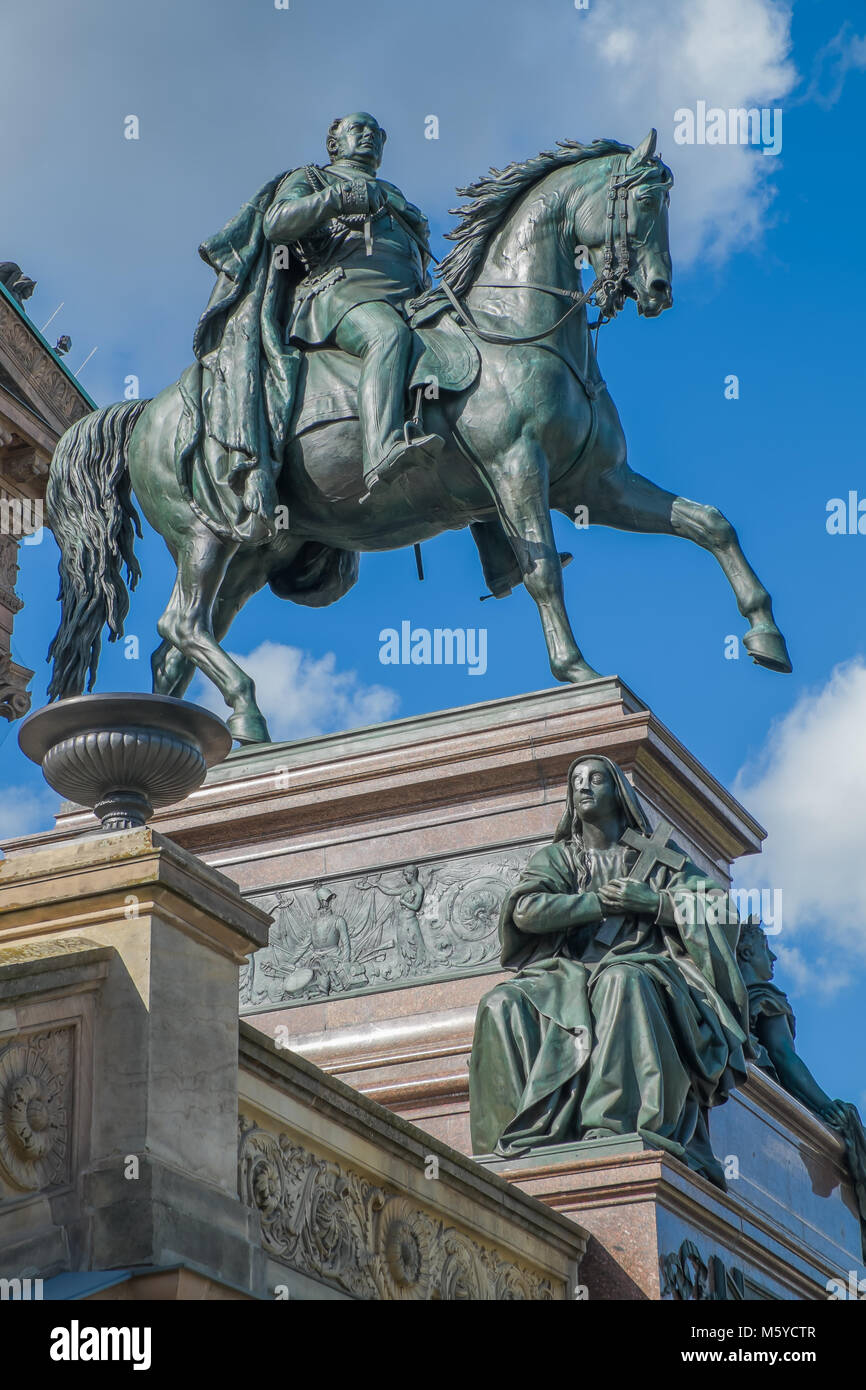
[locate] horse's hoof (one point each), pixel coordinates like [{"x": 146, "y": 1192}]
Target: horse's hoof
[
  {"x": 766, "y": 646},
  {"x": 248, "y": 728},
  {"x": 578, "y": 673}
]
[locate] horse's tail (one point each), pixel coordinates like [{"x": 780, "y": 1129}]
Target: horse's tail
[{"x": 88, "y": 505}]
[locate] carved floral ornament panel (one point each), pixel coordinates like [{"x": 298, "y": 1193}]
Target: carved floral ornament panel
[
  {"x": 333, "y": 1224},
  {"x": 379, "y": 930},
  {"x": 35, "y": 1110},
  {"x": 687, "y": 1277}
]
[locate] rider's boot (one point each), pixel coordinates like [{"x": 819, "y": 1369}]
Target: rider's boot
[
  {"x": 509, "y": 579},
  {"x": 403, "y": 454}
]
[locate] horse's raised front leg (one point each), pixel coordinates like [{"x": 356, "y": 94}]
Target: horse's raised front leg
[
  {"x": 710, "y": 529},
  {"x": 187, "y": 624},
  {"x": 629, "y": 502},
  {"x": 520, "y": 481}
]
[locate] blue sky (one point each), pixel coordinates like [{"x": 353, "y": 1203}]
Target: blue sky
[{"x": 767, "y": 283}]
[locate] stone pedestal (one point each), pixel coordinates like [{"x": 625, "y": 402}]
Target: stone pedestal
[
  {"x": 461, "y": 796},
  {"x": 785, "y": 1228},
  {"x": 355, "y": 1202},
  {"x": 119, "y": 959},
  {"x": 403, "y": 839},
  {"x": 145, "y": 1154}
]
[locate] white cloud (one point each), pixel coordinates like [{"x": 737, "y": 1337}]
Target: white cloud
[
  {"x": 24, "y": 811},
  {"x": 845, "y": 52},
  {"x": 809, "y": 790},
  {"x": 656, "y": 59},
  {"x": 302, "y": 696},
  {"x": 502, "y": 92},
  {"x": 816, "y": 975},
  {"x": 619, "y": 46}
]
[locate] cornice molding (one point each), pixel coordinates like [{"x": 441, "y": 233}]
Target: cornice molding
[{"x": 53, "y": 391}]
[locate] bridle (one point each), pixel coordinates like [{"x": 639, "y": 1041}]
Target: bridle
[
  {"x": 617, "y": 251},
  {"x": 607, "y": 288}
]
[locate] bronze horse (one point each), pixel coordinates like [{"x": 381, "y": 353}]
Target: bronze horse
[{"x": 537, "y": 430}]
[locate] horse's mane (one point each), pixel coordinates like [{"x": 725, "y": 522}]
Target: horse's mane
[{"x": 494, "y": 193}]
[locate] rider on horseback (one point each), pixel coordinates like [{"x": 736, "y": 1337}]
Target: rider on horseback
[
  {"x": 538, "y": 432},
  {"x": 365, "y": 251}
]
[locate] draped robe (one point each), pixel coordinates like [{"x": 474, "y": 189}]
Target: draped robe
[{"x": 626, "y": 1024}]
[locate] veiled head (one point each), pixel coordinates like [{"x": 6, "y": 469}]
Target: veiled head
[
  {"x": 594, "y": 790},
  {"x": 597, "y": 788}
]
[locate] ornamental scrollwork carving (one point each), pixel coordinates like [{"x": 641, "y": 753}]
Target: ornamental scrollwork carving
[
  {"x": 372, "y": 932},
  {"x": 8, "y": 563},
  {"x": 331, "y": 1223},
  {"x": 14, "y": 695},
  {"x": 687, "y": 1277},
  {"x": 35, "y": 1087}
]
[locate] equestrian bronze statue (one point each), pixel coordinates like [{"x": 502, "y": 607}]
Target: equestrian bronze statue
[{"x": 339, "y": 403}]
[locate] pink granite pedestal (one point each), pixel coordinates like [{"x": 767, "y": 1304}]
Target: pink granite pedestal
[
  {"x": 786, "y": 1228},
  {"x": 464, "y": 797}
]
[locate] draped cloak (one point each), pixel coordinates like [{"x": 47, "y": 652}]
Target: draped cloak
[
  {"x": 624, "y": 1024},
  {"x": 238, "y": 397},
  {"x": 238, "y": 393}
]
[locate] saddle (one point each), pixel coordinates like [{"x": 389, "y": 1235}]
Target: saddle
[{"x": 327, "y": 386}]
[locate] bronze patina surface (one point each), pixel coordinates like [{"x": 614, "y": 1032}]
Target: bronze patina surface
[
  {"x": 627, "y": 1013},
  {"x": 332, "y": 261}
]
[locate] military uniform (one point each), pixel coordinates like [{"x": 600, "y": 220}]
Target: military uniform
[
  {"x": 321, "y": 214},
  {"x": 362, "y": 266}
]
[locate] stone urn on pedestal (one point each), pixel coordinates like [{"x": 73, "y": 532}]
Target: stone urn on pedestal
[{"x": 124, "y": 755}]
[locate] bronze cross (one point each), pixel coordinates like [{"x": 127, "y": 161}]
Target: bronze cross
[{"x": 653, "y": 851}]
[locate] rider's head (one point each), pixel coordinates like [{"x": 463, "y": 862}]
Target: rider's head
[{"x": 358, "y": 137}]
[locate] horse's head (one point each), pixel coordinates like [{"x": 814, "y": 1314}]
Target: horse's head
[
  {"x": 622, "y": 220},
  {"x": 604, "y": 198}
]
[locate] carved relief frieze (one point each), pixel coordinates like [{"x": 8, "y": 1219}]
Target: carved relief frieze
[
  {"x": 35, "y": 1110},
  {"x": 381, "y": 929},
  {"x": 687, "y": 1277},
  {"x": 330, "y": 1222}
]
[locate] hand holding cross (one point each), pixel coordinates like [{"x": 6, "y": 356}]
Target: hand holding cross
[
  {"x": 633, "y": 894},
  {"x": 653, "y": 850}
]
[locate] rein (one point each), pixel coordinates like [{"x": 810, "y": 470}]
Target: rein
[
  {"x": 617, "y": 257},
  {"x": 487, "y": 336}
]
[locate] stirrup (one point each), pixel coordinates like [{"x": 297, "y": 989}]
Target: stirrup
[
  {"x": 400, "y": 457},
  {"x": 374, "y": 477}
]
